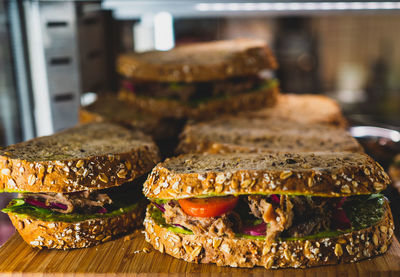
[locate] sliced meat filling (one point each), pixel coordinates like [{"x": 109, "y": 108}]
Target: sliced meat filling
[
  {"x": 311, "y": 215},
  {"x": 292, "y": 216},
  {"x": 224, "y": 225},
  {"x": 85, "y": 201},
  {"x": 314, "y": 225},
  {"x": 188, "y": 92},
  {"x": 278, "y": 216}
]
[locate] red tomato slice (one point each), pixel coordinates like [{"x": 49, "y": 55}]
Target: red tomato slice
[{"x": 208, "y": 207}]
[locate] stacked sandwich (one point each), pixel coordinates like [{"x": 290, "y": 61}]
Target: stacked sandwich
[
  {"x": 202, "y": 80},
  {"x": 274, "y": 210},
  {"x": 79, "y": 187}
]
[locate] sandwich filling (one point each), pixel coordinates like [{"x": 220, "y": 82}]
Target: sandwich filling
[
  {"x": 75, "y": 206},
  {"x": 81, "y": 202},
  {"x": 269, "y": 217},
  {"x": 198, "y": 92}
]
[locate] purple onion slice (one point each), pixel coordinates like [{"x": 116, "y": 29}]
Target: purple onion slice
[
  {"x": 159, "y": 206},
  {"x": 275, "y": 199},
  {"x": 36, "y": 203},
  {"x": 59, "y": 206},
  {"x": 102, "y": 210},
  {"x": 256, "y": 230}
]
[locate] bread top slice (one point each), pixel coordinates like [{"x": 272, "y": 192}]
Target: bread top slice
[
  {"x": 92, "y": 156},
  {"x": 199, "y": 62},
  {"x": 109, "y": 108},
  {"x": 319, "y": 174},
  {"x": 304, "y": 108},
  {"x": 237, "y": 134}
]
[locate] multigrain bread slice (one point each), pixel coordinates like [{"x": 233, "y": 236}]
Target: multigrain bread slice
[
  {"x": 205, "y": 111},
  {"x": 199, "y": 62},
  {"x": 305, "y": 108},
  {"x": 244, "y": 252},
  {"x": 107, "y": 108},
  {"x": 318, "y": 174},
  {"x": 77, "y": 234},
  {"x": 87, "y": 157},
  {"x": 251, "y": 135}
]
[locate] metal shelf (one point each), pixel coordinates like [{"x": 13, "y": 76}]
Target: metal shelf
[{"x": 135, "y": 9}]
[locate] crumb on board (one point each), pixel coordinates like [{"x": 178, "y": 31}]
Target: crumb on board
[{"x": 144, "y": 250}]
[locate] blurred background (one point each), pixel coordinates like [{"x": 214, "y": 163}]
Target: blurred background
[{"x": 56, "y": 54}]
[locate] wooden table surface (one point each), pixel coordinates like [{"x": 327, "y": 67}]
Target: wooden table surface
[{"x": 126, "y": 257}]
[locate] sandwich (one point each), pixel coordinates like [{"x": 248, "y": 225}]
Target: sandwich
[
  {"x": 263, "y": 135},
  {"x": 79, "y": 187},
  {"x": 304, "y": 108},
  {"x": 274, "y": 210},
  {"x": 201, "y": 80}
]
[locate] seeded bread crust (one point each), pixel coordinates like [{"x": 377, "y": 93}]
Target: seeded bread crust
[
  {"x": 107, "y": 108},
  {"x": 255, "y": 135},
  {"x": 199, "y": 62},
  {"x": 319, "y": 174},
  {"x": 205, "y": 111},
  {"x": 304, "y": 108},
  {"x": 67, "y": 235},
  {"x": 241, "y": 252},
  {"x": 87, "y": 157}
]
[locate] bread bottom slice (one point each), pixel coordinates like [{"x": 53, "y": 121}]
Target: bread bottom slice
[
  {"x": 80, "y": 234},
  {"x": 208, "y": 110},
  {"x": 243, "y": 252}
]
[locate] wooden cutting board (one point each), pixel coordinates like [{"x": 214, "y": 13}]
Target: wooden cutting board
[{"x": 126, "y": 257}]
